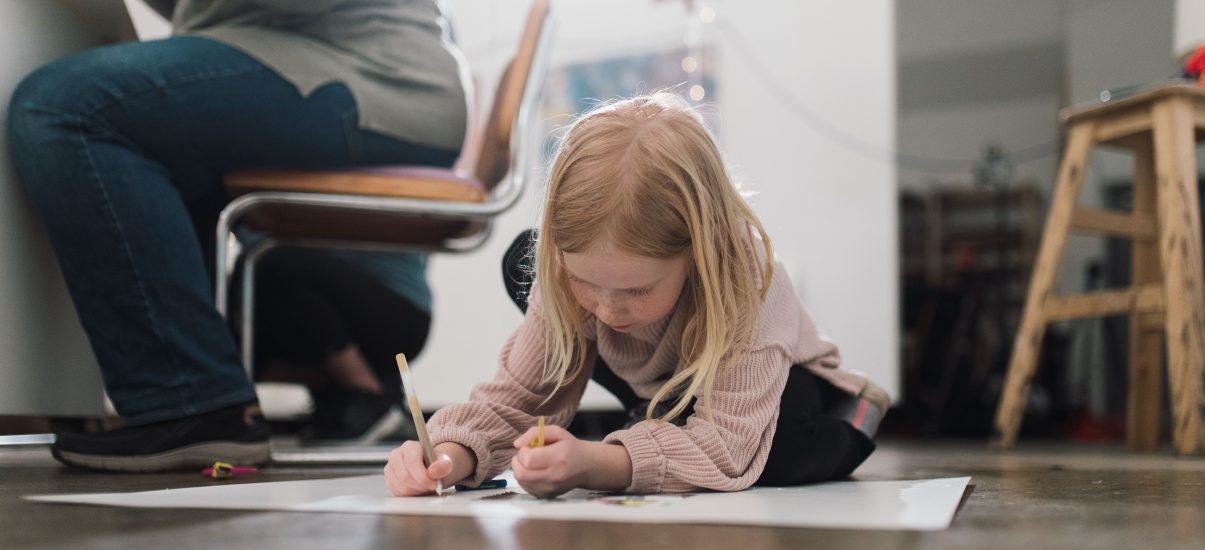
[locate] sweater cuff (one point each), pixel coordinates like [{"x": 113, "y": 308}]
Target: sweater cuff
[
  {"x": 648, "y": 463},
  {"x": 475, "y": 443}
]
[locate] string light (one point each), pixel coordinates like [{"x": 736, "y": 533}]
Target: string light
[
  {"x": 697, "y": 18},
  {"x": 837, "y": 135}
]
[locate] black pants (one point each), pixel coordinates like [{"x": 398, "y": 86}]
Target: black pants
[
  {"x": 310, "y": 303},
  {"x": 808, "y": 447}
]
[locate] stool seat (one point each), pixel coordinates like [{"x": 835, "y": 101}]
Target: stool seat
[
  {"x": 1166, "y": 299},
  {"x": 1140, "y": 99}
]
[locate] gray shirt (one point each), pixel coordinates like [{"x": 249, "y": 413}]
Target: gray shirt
[{"x": 395, "y": 57}]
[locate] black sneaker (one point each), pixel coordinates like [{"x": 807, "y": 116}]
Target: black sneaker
[
  {"x": 358, "y": 418},
  {"x": 236, "y": 435}
]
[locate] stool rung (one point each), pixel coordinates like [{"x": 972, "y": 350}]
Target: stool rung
[
  {"x": 1125, "y": 124},
  {"x": 1092, "y": 220},
  {"x": 1144, "y": 299}
]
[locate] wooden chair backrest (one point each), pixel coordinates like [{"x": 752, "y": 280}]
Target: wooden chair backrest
[{"x": 493, "y": 158}]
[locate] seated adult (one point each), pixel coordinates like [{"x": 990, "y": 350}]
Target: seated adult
[{"x": 122, "y": 151}]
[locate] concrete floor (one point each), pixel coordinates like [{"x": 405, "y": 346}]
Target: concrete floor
[{"x": 1039, "y": 496}]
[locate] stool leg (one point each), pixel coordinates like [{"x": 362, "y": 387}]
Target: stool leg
[
  {"x": 1145, "y": 385},
  {"x": 1180, "y": 254},
  {"x": 1033, "y": 321}
]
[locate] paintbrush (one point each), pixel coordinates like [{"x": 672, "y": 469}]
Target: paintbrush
[{"x": 419, "y": 424}]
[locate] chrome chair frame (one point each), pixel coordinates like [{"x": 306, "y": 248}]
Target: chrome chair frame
[{"x": 502, "y": 198}]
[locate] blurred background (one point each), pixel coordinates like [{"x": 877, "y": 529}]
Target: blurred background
[{"x": 900, "y": 153}]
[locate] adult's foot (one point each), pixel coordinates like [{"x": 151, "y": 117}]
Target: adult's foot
[
  {"x": 236, "y": 434},
  {"x": 358, "y": 418}
]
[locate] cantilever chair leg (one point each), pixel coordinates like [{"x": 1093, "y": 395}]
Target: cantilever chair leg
[
  {"x": 417, "y": 208},
  {"x": 247, "y": 301}
]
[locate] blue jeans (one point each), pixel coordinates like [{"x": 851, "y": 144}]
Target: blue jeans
[{"x": 121, "y": 150}]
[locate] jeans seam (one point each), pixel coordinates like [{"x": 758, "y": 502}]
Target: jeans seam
[
  {"x": 94, "y": 178},
  {"x": 176, "y": 82},
  {"x": 90, "y": 113}
]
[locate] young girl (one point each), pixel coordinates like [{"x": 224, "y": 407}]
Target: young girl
[{"x": 650, "y": 260}]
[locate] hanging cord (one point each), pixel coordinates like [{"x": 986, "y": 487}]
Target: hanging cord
[{"x": 834, "y": 134}]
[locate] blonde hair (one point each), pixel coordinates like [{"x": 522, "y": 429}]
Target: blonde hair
[{"x": 645, "y": 174}]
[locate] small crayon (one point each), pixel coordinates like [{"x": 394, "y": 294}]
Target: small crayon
[
  {"x": 222, "y": 470},
  {"x": 539, "y": 439}
]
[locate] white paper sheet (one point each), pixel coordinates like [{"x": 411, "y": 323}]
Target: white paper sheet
[{"x": 916, "y": 505}]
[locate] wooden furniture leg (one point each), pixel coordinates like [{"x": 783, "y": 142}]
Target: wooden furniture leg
[
  {"x": 1028, "y": 343},
  {"x": 1180, "y": 255},
  {"x": 1145, "y": 387}
]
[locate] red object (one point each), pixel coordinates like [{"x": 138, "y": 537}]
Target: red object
[
  {"x": 1194, "y": 65},
  {"x": 221, "y": 470},
  {"x": 1085, "y": 427}
]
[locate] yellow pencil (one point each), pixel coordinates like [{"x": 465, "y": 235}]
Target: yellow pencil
[
  {"x": 539, "y": 439},
  {"x": 419, "y": 424}
]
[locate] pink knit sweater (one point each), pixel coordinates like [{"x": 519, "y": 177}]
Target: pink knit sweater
[{"x": 728, "y": 455}]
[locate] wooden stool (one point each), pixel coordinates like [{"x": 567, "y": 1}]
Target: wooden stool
[{"x": 1166, "y": 299}]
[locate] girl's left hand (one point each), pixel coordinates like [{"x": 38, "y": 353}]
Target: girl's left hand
[{"x": 557, "y": 467}]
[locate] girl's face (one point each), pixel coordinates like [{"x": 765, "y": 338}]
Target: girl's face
[{"x": 623, "y": 291}]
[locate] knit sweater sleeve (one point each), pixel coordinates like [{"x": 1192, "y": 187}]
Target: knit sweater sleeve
[
  {"x": 499, "y": 411},
  {"x": 727, "y": 453}
]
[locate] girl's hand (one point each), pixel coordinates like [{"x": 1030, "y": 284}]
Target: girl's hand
[
  {"x": 557, "y": 467},
  {"x": 406, "y": 475}
]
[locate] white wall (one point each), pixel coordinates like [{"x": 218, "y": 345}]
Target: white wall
[
  {"x": 830, "y": 210},
  {"x": 1190, "y": 26},
  {"x": 830, "y": 207},
  {"x": 46, "y": 366}
]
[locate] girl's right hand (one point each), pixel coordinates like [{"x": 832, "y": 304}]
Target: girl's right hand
[{"x": 406, "y": 475}]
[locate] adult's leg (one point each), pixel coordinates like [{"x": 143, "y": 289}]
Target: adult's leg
[
  {"x": 313, "y": 306},
  {"x": 810, "y": 446},
  {"x": 114, "y": 146},
  {"x": 329, "y": 322}
]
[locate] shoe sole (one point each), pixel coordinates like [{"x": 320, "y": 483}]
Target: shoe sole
[{"x": 192, "y": 456}]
